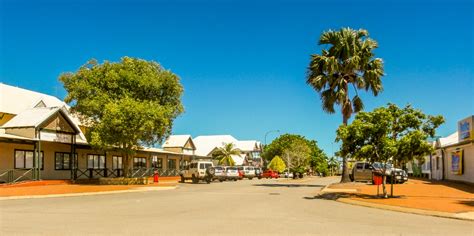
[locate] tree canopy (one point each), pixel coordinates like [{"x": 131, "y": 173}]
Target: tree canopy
[
  {"x": 305, "y": 152},
  {"x": 389, "y": 134},
  {"x": 349, "y": 62},
  {"x": 125, "y": 104},
  {"x": 277, "y": 164}
]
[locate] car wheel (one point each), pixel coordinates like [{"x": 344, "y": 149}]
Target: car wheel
[
  {"x": 195, "y": 180},
  {"x": 235, "y": 179},
  {"x": 220, "y": 180},
  {"x": 259, "y": 177},
  {"x": 208, "y": 180},
  {"x": 182, "y": 179},
  {"x": 251, "y": 178}
]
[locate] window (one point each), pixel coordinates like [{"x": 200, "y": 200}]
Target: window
[
  {"x": 360, "y": 166},
  {"x": 171, "y": 164},
  {"x": 437, "y": 162},
  {"x": 95, "y": 161},
  {"x": 156, "y": 162},
  {"x": 63, "y": 160},
  {"x": 139, "y": 162},
  {"x": 367, "y": 166},
  {"x": 24, "y": 159},
  {"x": 117, "y": 163}
]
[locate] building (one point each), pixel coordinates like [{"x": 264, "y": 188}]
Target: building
[
  {"x": 250, "y": 150},
  {"x": 454, "y": 155},
  {"x": 40, "y": 139}
]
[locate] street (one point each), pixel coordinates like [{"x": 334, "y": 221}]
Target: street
[{"x": 247, "y": 207}]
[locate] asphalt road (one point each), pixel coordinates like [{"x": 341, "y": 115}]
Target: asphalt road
[{"x": 248, "y": 207}]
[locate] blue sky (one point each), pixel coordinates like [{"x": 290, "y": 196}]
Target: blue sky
[{"x": 243, "y": 63}]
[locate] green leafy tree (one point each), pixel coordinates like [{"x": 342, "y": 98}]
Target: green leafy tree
[
  {"x": 388, "y": 134},
  {"x": 298, "y": 157},
  {"x": 349, "y": 62},
  {"x": 125, "y": 104},
  {"x": 333, "y": 165},
  {"x": 277, "y": 164},
  {"x": 224, "y": 154},
  {"x": 286, "y": 142}
]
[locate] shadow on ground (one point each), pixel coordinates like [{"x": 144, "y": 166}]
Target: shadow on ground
[
  {"x": 290, "y": 185},
  {"x": 467, "y": 202},
  {"x": 335, "y": 196}
]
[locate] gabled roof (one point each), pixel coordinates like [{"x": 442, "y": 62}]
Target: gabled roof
[
  {"x": 207, "y": 143},
  {"x": 178, "y": 141},
  {"x": 35, "y": 117},
  {"x": 14, "y": 100},
  {"x": 238, "y": 159}
]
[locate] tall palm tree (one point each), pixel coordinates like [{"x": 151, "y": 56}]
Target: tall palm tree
[
  {"x": 349, "y": 62},
  {"x": 224, "y": 154}
]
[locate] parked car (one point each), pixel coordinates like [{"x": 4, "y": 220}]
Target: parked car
[
  {"x": 270, "y": 174},
  {"x": 288, "y": 174},
  {"x": 258, "y": 172},
  {"x": 232, "y": 173},
  {"x": 400, "y": 176},
  {"x": 363, "y": 171},
  {"x": 198, "y": 170},
  {"x": 220, "y": 173},
  {"x": 241, "y": 172},
  {"x": 249, "y": 172}
]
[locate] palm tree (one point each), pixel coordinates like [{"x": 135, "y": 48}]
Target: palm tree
[
  {"x": 349, "y": 62},
  {"x": 224, "y": 154},
  {"x": 332, "y": 164}
]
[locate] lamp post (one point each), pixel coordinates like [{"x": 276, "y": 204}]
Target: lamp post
[{"x": 265, "y": 141}]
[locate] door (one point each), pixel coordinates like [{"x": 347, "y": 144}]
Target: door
[
  {"x": 367, "y": 171},
  {"x": 359, "y": 172}
]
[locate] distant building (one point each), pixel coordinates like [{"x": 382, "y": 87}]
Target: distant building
[
  {"x": 454, "y": 155},
  {"x": 250, "y": 149}
]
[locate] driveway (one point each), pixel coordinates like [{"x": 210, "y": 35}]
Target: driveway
[{"x": 248, "y": 207}]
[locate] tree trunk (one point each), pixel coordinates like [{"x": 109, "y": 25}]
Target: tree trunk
[
  {"x": 126, "y": 166},
  {"x": 384, "y": 186},
  {"x": 345, "y": 171}
]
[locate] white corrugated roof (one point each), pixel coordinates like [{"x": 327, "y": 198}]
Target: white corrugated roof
[
  {"x": 206, "y": 143},
  {"x": 14, "y": 100},
  {"x": 451, "y": 139},
  {"x": 31, "y": 117},
  {"x": 176, "y": 140},
  {"x": 247, "y": 145}
]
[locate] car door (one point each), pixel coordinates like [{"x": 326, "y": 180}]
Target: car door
[
  {"x": 359, "y": 171},
  {"x": 367, "y": 171}
]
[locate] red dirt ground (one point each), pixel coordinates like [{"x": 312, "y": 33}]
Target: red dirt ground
[{"x": 421, "y": 194}]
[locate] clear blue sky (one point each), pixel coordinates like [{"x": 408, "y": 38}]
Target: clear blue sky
[{"x": 243, "y": 64}]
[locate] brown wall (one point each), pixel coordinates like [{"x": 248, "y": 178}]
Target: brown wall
[{"x": 49, "y": 149}]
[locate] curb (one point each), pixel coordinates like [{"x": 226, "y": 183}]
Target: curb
[
  {"x": 404, "y": 209},
  {"x": 140, "y": 189}
]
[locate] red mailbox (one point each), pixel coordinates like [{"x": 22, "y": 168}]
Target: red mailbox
[
  {"x": 156, "y": 176},
  {"x": 377, "y": 179}
]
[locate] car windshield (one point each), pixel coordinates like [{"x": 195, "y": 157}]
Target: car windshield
[{"x": 381, "y": 166}]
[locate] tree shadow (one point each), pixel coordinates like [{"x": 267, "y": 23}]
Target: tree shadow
[
  {"x": 335, "y": 196},
  {"x": 467, "y": 202},
  {"x": 290, "y": 185},
  {"x": 465, "y": 187}
]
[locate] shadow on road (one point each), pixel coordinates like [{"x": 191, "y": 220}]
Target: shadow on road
[{"x": 290, "y": 185}]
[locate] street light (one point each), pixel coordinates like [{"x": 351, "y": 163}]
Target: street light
[
  {"x": 265, "y": 141},
  {"x": 271, "y": 131}
]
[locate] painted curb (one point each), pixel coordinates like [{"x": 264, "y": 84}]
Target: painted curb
[
  {"x": 145, "y": 189},
  {"x": 404, "y": 209}
]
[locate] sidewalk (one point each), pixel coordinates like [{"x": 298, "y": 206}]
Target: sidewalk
[
  {"x": 55, "y": 187},
  {"x": 430, "y": 196}
]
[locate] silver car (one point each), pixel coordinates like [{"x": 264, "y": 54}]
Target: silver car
[
  {"x": 232, "y": 173},
  {"x": 220, "y": 173}
]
